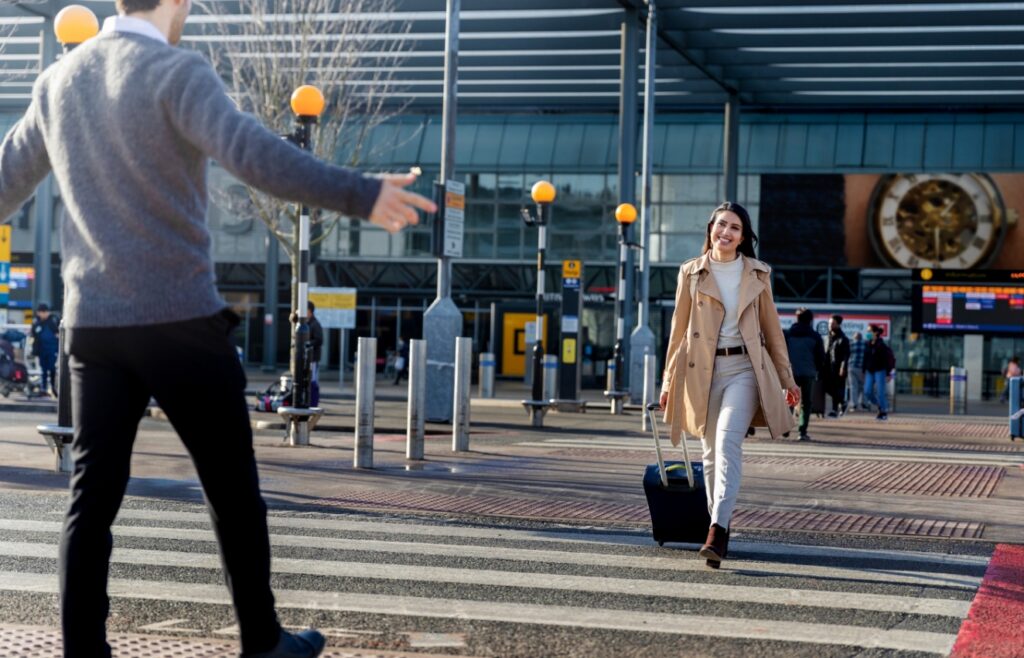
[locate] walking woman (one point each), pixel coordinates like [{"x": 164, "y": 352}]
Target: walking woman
[{"x": 727, "y": 364}]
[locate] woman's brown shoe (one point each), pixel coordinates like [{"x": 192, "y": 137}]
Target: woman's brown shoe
[{"x": 717, "y": 544}]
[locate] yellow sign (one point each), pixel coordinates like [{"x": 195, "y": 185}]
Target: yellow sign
[
  {"x": 344, "y": 301},
  {"x": 335, "y": 307},
  {"x": 571, "y": 269},
  {"x": 452, "y": 200},
  {"x": 569, "y": 351},
  {"x": 5, "y": 243}
]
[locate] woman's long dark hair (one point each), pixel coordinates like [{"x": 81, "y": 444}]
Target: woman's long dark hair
[{"x": 746, "y": 247}]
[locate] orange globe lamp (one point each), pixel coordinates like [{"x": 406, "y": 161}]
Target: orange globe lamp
[
  {"x": 75, "y": 24},
  {"x": 543, "y": 192},
  {"x": 625, "y": 213},
  {"x": 307, "y": 101}
]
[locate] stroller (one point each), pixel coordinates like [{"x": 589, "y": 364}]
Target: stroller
[{"x": 14, "y": 375}]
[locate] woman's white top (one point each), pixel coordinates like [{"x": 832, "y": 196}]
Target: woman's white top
[{"x": 728, "y": 276}]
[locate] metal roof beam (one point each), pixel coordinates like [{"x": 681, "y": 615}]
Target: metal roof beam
[
  {"x": 988, "y": 35},
  {"x": 691, "y": 56},
  {"x": 685, "y": 18}
]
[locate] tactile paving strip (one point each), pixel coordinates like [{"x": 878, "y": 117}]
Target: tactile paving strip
[
  {"x": 560, "y": 510},
  {"x": 34, "y": 642},
  {"x": 958, "y": 481},
  {"x": 856, "y": 524}
]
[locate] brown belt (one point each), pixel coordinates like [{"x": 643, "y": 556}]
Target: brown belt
[{"x": 729, "y": 351}]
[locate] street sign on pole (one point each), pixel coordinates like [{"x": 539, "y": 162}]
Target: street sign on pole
[
  {"x": 335, "y": 307},
  {"x": 454, "y": 218},
  {"x": 5, "y": 270}
]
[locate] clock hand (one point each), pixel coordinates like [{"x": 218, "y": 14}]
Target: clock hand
[{"x": 938, "y": 244}]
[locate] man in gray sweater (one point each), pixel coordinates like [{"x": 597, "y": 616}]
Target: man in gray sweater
[{"x": 127, "y": 123}]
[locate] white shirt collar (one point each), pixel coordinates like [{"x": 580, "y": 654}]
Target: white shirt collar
[{"x": 134, "y": 26}]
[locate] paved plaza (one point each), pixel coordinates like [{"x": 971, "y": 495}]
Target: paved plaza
[{"x": 874, "y": 539}]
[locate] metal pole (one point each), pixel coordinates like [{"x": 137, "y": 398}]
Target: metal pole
[
  {"x": 650, "y": 372},
  {"x": 366, "y": 384},
  {"x": 448, "y": 116},
  {"x": 487, "y": 367},
  {"x": 300, "y": 364},
  {"x": 270, "y": 303},
  {"x": 619, "y": 352},
  {"x": 341, "y": 360},
  {"x": 417, "y": 397},
  {"x": 731, "y": 148},
  {"x": 630, "y": 88},
  {"x": 642, "y": 338},
  {"x": 463, "y": 375},
  {"x": 550, "y": 366},
  {"x": 538, "y": 345},
  {"x": 42, "y": 258}
]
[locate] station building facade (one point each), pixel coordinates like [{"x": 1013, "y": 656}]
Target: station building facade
[{"x": 812, "y": 182}]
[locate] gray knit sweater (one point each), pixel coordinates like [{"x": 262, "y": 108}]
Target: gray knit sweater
[{"x": 128, "y": 124}]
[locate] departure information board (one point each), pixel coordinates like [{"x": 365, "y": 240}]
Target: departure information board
[{"x": 959, "y": 309}]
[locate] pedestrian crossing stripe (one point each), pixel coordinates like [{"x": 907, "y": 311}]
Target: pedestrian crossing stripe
[
  {"x": 598, "y": 584},
  {"x": 610, "y": 560},
  {"x": 543, "y": 560},
  {"x": 548, "y": 615}
]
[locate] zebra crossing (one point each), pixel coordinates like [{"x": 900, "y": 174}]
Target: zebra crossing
[{"x": 516, "y": 589}]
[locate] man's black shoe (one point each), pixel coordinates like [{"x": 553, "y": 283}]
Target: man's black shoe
[{"x": 305, "y": 644}]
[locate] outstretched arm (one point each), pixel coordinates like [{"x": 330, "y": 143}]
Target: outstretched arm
[{"x": 24, "y": 161}]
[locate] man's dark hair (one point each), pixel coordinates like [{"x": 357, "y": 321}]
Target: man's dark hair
[
  {"x": 311, "y": 306},
  {"x": 838, "y": 319},
  {"x": 804, "y": 316},
  {"x": 135, "y": 6}
]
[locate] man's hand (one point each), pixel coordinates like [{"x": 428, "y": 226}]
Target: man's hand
[{"x": 396, "y": 207}]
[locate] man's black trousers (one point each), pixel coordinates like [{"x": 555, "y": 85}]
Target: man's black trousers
[{"x": 193, "y": 372}]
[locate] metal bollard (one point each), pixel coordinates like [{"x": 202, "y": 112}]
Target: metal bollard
[
  {"x": 463, "y": 382},
  {"x": 957, "y": 390},
  {"x": 550, "y": 367},
  {"x": 487, "y": 365},
  {"x": 650, "y": 368},
  {"x": 417, "y": 399},
  {"x": 59, "y": 436},
  {"x": 615, "y": 402},
  {"x": 366, "y": 391}
]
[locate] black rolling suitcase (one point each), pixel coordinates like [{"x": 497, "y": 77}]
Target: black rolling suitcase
[{"x": 675, "y": 495}]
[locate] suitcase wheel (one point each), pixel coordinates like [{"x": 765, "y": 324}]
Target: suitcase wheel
[{"x": 661, "y": 543}]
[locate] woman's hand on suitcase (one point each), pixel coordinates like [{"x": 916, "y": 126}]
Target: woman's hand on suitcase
[{"x": 663, "y": 401}]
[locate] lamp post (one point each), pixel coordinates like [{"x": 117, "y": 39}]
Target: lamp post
[
  {"x": 308, "y": 104},
  {"x": 72, "y": 25},
  {"x": 543, "y": 194},
  {"x": 625, "y": 215}
]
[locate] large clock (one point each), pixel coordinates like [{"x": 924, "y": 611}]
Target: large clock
[{"x": 943, "y": 221}]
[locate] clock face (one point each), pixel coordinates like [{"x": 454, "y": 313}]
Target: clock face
[{"x": 950, "y": 221}]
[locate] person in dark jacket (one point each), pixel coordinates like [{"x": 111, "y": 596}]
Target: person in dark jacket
[
  {"x": 402, "y": 362},
  {"x": 45, "y": 333},
  {"x": 879, "y": 363},
  {"x": 807, "y": 356},
  {"x": 316, "y": 341},
  {"x": 838, "y": 365}
]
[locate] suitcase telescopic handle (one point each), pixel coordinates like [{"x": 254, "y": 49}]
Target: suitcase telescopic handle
[{"x": 662, "y": 472}]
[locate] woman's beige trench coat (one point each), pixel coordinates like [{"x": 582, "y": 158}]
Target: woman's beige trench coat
[{"x": 691, "y": 350}]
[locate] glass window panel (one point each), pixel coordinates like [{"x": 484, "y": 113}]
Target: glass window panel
[
  {"x": 576, "y": 246},
  {"x": 679, "y": 247},
  {"x": 509, "y": 216},
  {"x": 513, "y": 145},
  {"x": 596, "y": 145},
  {"x": 578, "y": 218},
  {"x": 480, "y": 187},
  {"x": 430, "y": 153},
  {"x": 418, "y": 243},
  {"x": 541, "y": 145},
  {"x": 407, "y": 145},
  {"x": 479, "y": 216},
  {"x": 478, "y": 245},
  {"x": 486, "y": 147},
  {"x": 511, "y": 187},
  {"x": 568, "y": 144},
  {"x": 509, "y": 244},
  {"x": 578, "y": 189},
  {"x": 465, "y": 142},
  {"x": 381, "y": 144}
]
